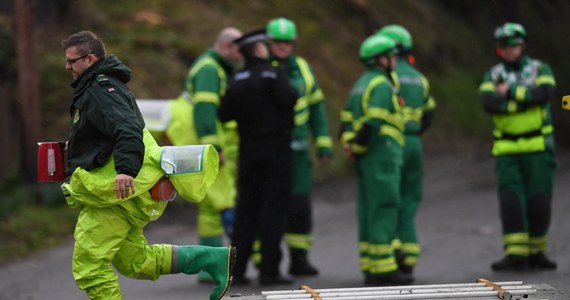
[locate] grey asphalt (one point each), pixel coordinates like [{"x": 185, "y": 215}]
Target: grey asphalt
[{"x": 458, "y": 225}]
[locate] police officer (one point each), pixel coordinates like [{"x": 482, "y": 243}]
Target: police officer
[
  {"x": 372, "y": 134},
  {"x": 417, "y": 114},
  {"x": 516, "y": 93},
  {"x": 261, "y": 100}
]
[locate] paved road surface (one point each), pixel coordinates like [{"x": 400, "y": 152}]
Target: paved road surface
[{"x": 458, "y": 226}]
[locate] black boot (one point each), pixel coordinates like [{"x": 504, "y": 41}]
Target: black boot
[
  {"x": 300, "y": 265},
  {"x": 511, "y": 263},
  {"x": 539, "y": 261},
  {"x": 394, "y": 278}
]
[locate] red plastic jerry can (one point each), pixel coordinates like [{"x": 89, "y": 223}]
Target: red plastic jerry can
[{"x": 50, "y": 161}]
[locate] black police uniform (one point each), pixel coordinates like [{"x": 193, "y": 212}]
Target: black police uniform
[{"x": 261, "y": 100}]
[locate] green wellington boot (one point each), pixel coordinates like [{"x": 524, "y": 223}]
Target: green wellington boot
[
  {"x": 216, "y": 261},
  {"x": 215, "y": 241}
]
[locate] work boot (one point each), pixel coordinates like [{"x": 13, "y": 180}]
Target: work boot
[
  {"x": 300, "y": 265},
  {"x": 216, "y": 261},
  {"x": 394, "y": 278},
  {"x": 511, "y": 263},
  {"x": 539, "y": 261},
  {"x": 214, "y": 241}
]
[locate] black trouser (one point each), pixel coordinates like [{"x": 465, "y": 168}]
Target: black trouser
[{"x": 264, "y": 181}]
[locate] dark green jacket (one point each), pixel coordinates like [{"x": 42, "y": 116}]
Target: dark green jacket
[
  {"x": 310, "y": 115},
  {"x": 106, "y": 120},
  {"x": 372, "y": 115},
  {"x": 206, "y": 83},
  {"x": 419, "y": 104}
]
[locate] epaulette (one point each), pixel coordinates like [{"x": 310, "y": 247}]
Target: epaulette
[{"x": 102, "y": 80}]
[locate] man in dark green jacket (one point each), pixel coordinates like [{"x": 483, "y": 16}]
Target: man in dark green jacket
[
  {"x": 107, "y": 132},
  {"x": 516, "y": 93}
]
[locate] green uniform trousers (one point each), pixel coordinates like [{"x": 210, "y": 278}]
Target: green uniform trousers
[
  {"x": 299, "y": 216},
  {"x": 411, "y": 194},
  {"x": 525, "y": 184},
  {"x": 378, "y": 180},
  {"x": 105, "y": 236}
]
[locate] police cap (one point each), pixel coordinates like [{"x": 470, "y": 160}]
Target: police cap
[{"x": 251, "y": 38}]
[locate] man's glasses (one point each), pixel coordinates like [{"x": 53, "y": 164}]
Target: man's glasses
[{"x": 72, "y": 61}]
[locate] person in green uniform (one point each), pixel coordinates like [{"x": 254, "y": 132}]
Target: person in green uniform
[
  {"x": 310, "y": 122},
  {"x": 417, "y": 114},
  {"x": 205, "y": 85},
  {"x": 516, "y": 93},
  {"x": 109, "y": 153},
  {"x": 372, "y": 134}
]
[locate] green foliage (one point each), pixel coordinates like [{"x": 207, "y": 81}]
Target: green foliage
[
  {"x": 7, "y": 53},
  {"x": 33, "y": 228},
  {"x": 458, "y": 100}
]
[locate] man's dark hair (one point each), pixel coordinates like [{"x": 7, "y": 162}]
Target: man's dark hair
[{"x": 86, "y": 42}]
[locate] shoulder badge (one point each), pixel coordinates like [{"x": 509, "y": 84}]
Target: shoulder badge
[
  {"x": 102, "y": 79},
  {"x": 76, "y": 116}
]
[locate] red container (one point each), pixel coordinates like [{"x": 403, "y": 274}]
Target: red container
[
  {"x": 50, "y": 161},
  {"x": 163, "y": 190}
]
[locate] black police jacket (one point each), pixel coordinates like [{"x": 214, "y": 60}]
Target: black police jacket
[{"x": 261, "y": 100}]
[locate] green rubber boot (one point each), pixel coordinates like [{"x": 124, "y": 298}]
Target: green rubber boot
[
  {"x": 216, "y": 261},
  {"x": 215, "y": 241}
]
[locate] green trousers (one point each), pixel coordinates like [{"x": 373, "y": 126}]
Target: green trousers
[
  {"x": 299, "y": 215},
  {"x": 525, "y": 184},
  {"x": 411, "y": 194},
  {"x": 378, "y": 180}
]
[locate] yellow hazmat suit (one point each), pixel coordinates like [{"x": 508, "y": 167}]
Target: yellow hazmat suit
[{"x": 110, "y": 230}]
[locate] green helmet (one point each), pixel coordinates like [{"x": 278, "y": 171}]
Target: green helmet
[
  {"x": 281, "y": 29},
  {"x": 399, "y": 34},
  {"x": 376, "y": 45},
  {"x": 510, "y": 34}
]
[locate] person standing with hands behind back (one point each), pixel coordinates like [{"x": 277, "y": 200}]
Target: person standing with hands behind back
[
  {"x": 261, "y": 100},
  {"x": 516, "y": 93},
  {"x": 417, "y": 114},
  {"x": 372, "y": 134}
]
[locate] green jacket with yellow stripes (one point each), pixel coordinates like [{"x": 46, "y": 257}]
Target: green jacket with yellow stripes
[
  {"x": 372, "y": 113},
  {"x": 415, "y": 90},
  {"x": 522, "y": 119},
  {"x": 206, "y": 83},
  {"x": 310, "y": 115}
]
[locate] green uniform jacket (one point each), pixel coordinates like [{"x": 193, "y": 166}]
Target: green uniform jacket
[
  {"x": 206, "y": 83},
  {"x": 523, "y": 119},
  {"x": 310, "y": 115},
  {"x": 105, "y": 120},
  {"x": 415, "y": 90},
  {"x": 372, "y": 114}
]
